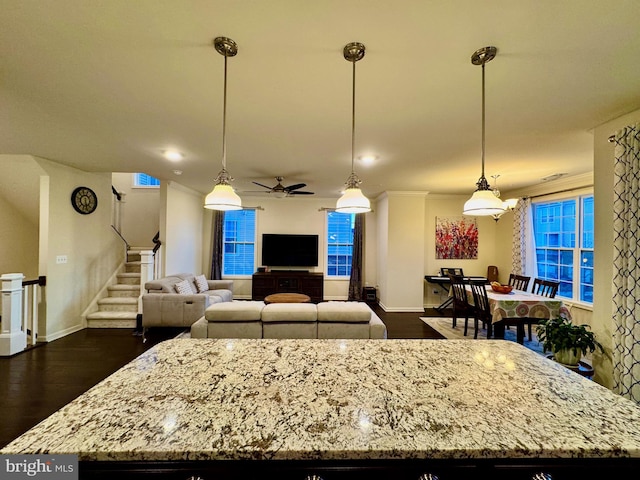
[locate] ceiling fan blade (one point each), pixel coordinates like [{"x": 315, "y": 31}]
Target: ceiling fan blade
[
  {"x": 270, "y": 188},
  {"x": 295, "y": 186},
  {"x": 301, "y": 193}
]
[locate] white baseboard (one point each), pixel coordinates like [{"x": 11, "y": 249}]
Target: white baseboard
[
  {"x": 401, "y": 309},
  {"x": 62, "y": 333}
]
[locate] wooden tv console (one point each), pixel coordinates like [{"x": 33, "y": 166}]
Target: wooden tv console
[{"x": 288, "y": 281}]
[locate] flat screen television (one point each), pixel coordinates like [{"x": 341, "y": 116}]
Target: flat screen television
[{"x": 289, "y": 250}]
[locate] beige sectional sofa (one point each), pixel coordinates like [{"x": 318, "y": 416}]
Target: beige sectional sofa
[
  {"x": 254, "y": 319},
  {"x": 163, "y": 306}
]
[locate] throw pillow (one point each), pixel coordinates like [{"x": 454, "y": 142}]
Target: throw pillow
[
  {"x": 201, "y": 283},
  {"x": 184, "y": 288}
]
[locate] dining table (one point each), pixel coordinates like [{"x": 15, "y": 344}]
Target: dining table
[{"x": 520, "y": 308}]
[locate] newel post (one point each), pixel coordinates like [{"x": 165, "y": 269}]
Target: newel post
[
  {"x": 146, "y": 273},
  {"x": 12, "y": 338}
]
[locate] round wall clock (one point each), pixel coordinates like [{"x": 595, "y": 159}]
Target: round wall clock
[{"x": 84, "y": 200}]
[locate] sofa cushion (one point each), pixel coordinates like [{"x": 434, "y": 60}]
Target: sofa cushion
[
  {"x": 290, "y": 312},
  {"x": 184, "y": 287},
  {"x": 225, "y": 295},
  {"x": 236, "y": 311},
  {"x": 345, "y": 312},
  {"x": 164, "y": 285},
  {"x": 201, "y": 283}
]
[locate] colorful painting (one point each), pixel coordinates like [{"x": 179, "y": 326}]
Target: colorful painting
[{"x": 456, "y": 238}]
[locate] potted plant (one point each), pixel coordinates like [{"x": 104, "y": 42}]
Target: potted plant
[{"x": 567, "y": 342}]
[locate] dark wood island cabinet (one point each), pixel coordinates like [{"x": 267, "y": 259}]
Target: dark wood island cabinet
[{"x": 288, "y": 281}]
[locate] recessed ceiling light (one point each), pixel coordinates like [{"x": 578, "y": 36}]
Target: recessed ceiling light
[
  {"x": 173, "y": 155},
  {"x": 177, "y": 172},
  {"x": 367, "y": 159}
]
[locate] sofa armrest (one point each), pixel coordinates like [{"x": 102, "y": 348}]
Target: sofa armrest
[
  {"x": 172, "y": 309},
  {"x": 221, "y": 285}
]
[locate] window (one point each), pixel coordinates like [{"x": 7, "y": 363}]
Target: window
[
  {"x": 564, "y": 245},
  {"x": 144, "y": 180},
  {"x": 339, "y": 243},
  {"x": 239, "y": 239}
]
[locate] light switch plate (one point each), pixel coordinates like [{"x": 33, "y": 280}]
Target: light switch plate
[{"x": 61, "y": 259}]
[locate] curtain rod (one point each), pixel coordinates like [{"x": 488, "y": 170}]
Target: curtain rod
[{"x": 559, "y": 191}]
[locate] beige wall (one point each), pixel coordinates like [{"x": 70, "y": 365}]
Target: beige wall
[
  {"x": 181, "y": 231},
  {"x": 603, "y": 268},
  {"x": 19, "y": 240},
  {"x": 19, "y": 210},
  {"x": 140, "y": 212},
  {"x": 451, "y": 206},
  {"x": 300, "y": 215},
  {"x": 405, "y": 240},
  {"x": 93, "y": 250}
]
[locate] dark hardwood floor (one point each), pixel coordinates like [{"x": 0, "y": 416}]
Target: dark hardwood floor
[{"x": 37, "y": 382}]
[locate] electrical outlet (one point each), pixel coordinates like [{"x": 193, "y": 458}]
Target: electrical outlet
[{"x": 61, "y": 259}]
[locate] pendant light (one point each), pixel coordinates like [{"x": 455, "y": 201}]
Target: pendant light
[
  {"x": 353, "y": 201},
  {"x": 508, "y": 205},
  {"x": 483, "y": 202},
  {"x": 223, "y": 197}
]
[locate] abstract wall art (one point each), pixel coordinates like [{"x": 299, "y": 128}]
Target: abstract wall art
[{"x": 456, "y": 238}]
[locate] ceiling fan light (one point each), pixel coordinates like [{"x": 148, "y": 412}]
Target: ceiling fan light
[
  {"x": 223, "y": 197},
  {"x": 353, "y": 201},
  {"x": 483, "y": 203},
  {"x": 279, "y": 193}
]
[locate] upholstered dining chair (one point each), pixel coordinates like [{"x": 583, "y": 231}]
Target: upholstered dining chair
[
  {"x": 519, "y": 282},
  {"x": 482, "y": 311},
  {"x": 461, "y": 306}
]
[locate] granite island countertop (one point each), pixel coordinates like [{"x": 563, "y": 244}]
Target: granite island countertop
[{"x": 197, "y": 399}]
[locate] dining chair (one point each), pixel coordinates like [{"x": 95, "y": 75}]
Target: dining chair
[
  {"x": 482, "y": 310},
  {"x": 492, "y": 273},
  {"x": 545, "y": 288},
  {"x": 461, "y": 305},
  {"x": 519, "y": 282}
]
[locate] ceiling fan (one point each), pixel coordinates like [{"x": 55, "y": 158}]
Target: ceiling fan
[{"x": 281, "y": 191}]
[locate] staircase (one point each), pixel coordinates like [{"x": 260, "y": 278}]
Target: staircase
[{"x": 120, "y": 308}]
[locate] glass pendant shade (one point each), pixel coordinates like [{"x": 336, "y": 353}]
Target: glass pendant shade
[
  {"x": 483, "y": 203},
  {"x": 353, "y": 201},
  {"x": 222, "y": 197}
]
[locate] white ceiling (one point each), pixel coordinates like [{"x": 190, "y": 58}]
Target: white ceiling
[{"x": 108, "y": 85}]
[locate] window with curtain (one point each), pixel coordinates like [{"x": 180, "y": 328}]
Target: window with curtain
[
  {"x": 239, "y": 233},
  {"x": 339, "y": 243},
  {"x": 564, "y": 233},
  {"x": 144, "y": 180}
]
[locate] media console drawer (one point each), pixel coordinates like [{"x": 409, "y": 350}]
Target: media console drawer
[{"x": 308, "y": 283}]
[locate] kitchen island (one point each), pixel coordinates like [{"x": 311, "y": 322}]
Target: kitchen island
[{"x": 342, "y": 409}]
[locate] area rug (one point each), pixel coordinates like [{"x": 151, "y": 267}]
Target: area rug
[{"x": 443, "y": 326}]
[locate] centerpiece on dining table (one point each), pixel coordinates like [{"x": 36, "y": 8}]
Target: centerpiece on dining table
[{"x": 498, "y": 288}]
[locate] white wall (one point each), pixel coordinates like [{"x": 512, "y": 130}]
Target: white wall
[
  {"x": 140, "y": 218},
  {"x": 93, "y": 250},
  {"x": 603, "y": 257},
  {"x": 181, "y": 226}
]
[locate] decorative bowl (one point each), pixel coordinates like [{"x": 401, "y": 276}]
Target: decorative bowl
[{"x": 502, "y": 288}]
